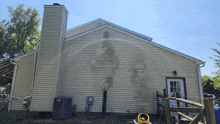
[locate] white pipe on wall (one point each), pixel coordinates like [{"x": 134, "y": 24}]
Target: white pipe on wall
[
  {"x": 35, "y": 59},
  {"x": 34, "y": 71},
  {"x": 200, "y": 82},
  {"x": 27, "y": 97},
  {"x": 16, "y": 97}
]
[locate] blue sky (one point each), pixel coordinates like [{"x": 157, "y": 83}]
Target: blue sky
[{"x": 188, "y": 26}]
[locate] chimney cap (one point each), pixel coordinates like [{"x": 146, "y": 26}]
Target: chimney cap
[{"x": 56, "y": 4}]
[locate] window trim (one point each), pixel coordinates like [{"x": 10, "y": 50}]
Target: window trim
[{"x": 106, "y": 34}]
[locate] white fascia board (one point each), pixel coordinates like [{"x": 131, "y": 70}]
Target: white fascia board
[
  {"x": 197, "y": 61},
  {"x": 57, "y": 6},
  {"x": 84, "y": 24},
  {"x": 17, "y": 58}
]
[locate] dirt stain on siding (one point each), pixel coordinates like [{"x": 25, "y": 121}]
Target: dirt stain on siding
[
  {"x": 109, "y": 82},
  {"x": 106, "y": 61},
  {"x": 138, "y": 71}
]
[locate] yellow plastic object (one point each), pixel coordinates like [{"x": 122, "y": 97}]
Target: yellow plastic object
[{"x": 143, "y": 118}]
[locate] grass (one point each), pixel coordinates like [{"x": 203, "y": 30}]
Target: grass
[
  {"x": 15, "y": 116},
  {"x": 27, "y": 117},
  {"x": 82, "y": 118}
]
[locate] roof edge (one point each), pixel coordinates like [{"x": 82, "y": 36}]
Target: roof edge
[
  {"x": 24, "y": 55},
  {"x": 122, "y": 28},
  {"x": 86, "y": 32},
  {"x": 84, "y": 24},
  {"x": 130, "y": 31}
]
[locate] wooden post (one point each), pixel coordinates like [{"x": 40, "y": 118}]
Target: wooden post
[
  {"x": 2, "y": 99},
  {"x": 157, "y": 104},
  {"x": 209, "y": 111},
  {"x": 177, "y": 106},
  {"x": 186, "y": 107},
  {"x": 198, "y": 117},
  {"x": 164, "y": 96},
  {"x": 104, "y": 102},
  {"x": 165, "y": 92},
  {"x": 167, "y": 107}
]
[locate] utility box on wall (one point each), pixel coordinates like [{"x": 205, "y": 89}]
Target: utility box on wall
[
  {"x": 62, "y": 108},
  {"x": 89, "y": 100}
]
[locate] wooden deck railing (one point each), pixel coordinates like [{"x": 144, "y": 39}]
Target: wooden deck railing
[
  {"x": 160, "y": 104},
  {"x": 205, "y": 110}
]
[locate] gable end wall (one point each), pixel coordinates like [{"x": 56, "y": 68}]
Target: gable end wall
[{"x": 132, "y": 72}]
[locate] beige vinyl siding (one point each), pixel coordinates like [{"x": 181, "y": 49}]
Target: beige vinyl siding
[
  {"x": 131, "y": 70},
  {"x": 53, "y": 32},
  {"x": 23, "y": 81},
  {"x": 63, "y": 35}
]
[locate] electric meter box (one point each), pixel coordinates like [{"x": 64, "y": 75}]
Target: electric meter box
[{"x": 90, "y": 100}]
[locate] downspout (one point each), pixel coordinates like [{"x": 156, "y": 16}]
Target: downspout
[
  {"x": 13, "y": 83},
  {"x": 200, "y": 82},
  {"x": 35, "y": 61}
]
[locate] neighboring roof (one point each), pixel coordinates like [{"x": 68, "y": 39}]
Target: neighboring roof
[
  {"x": 7, "y": 68},
  {"x": 24, "y": 55},
  {"x": 114, "y": 25},
  {"x": 135, "y": 36}
]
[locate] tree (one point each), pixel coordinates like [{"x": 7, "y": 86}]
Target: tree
[
  {"x": 216, "y": 81},
  {"x": 216, "y": 59},
  {"x": 208, "y": 86},
  {"x": 20, "y": 34},
  {"x": 211, "y": 85}
]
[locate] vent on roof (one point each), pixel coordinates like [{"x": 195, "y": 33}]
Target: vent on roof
[
  {"x": 56, "y": 4},
  {"x": 106, "y": 35}
]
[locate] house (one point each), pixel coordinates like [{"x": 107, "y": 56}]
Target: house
[{"x": 78, "y": 62}]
